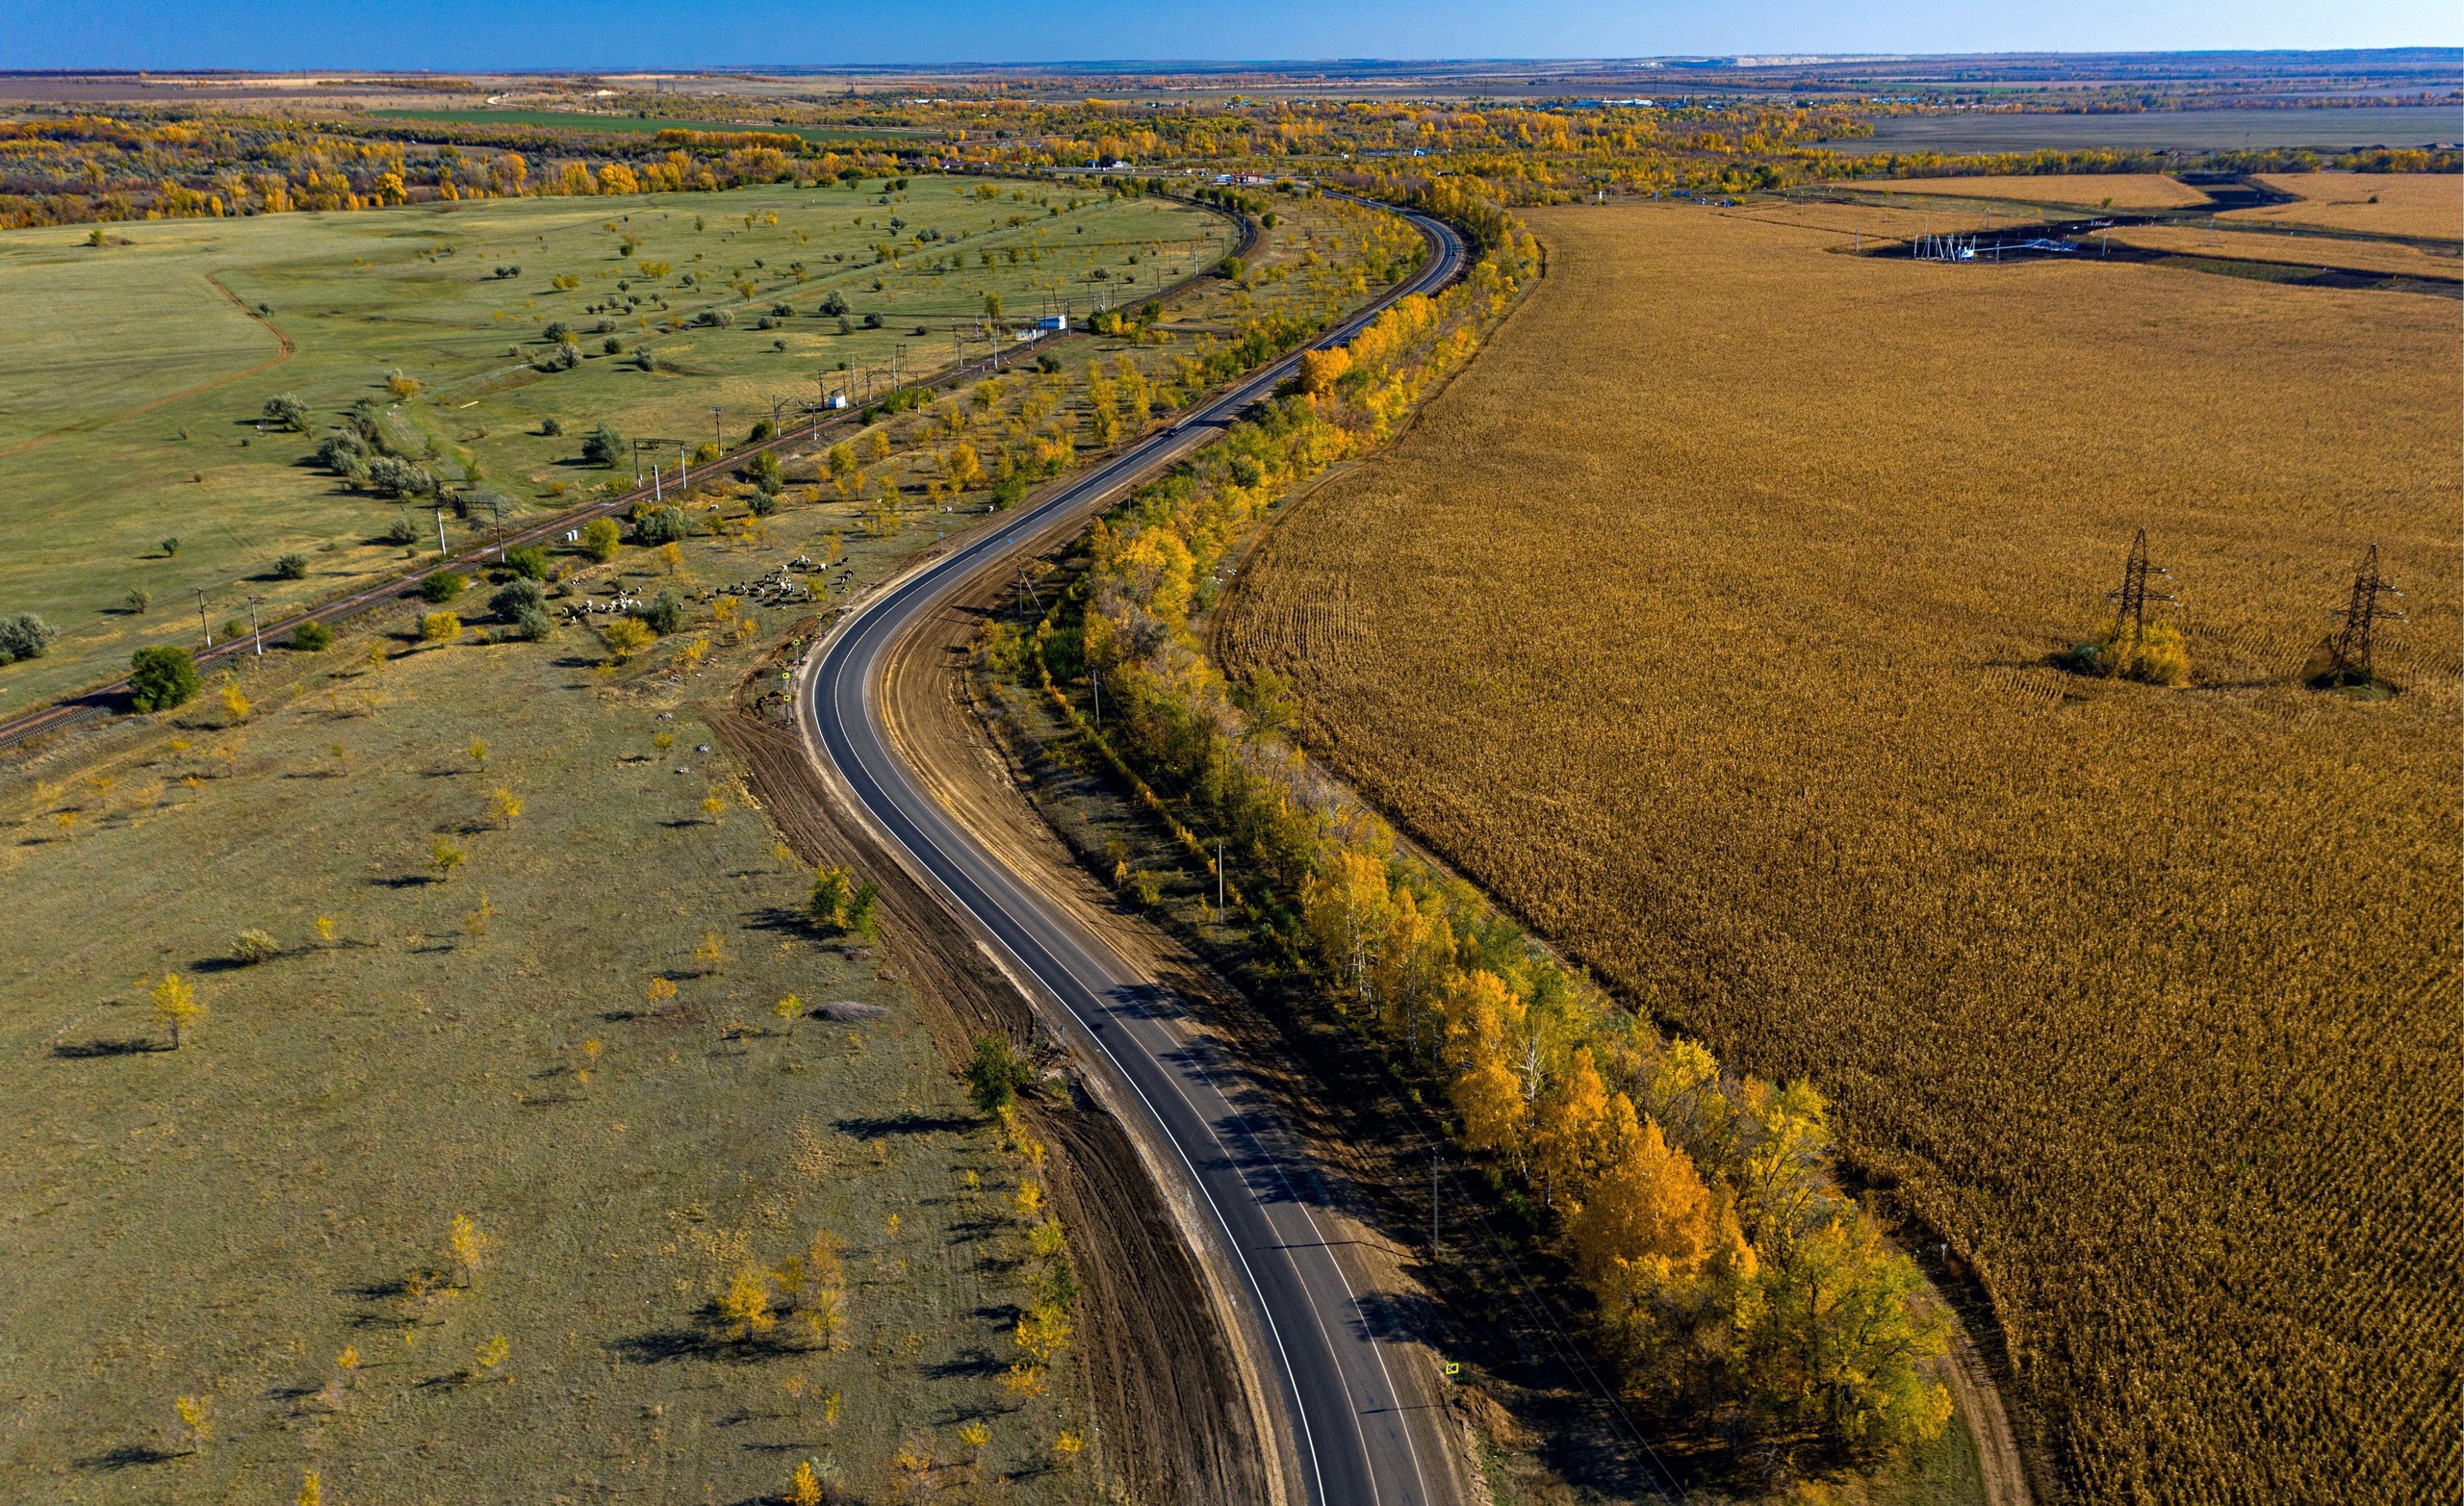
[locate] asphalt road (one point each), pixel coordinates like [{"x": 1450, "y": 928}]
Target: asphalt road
[{"x": 1243, "y": 1168}]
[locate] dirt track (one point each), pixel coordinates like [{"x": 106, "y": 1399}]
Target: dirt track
[{"x": 1175, "y": 1417}]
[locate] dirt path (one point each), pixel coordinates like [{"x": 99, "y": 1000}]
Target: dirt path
[
  {"x": 1175, "y": 1414},
  {"x": 282, "y": 353}
]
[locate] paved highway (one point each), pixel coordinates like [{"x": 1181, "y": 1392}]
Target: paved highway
[{"x": 1242, "y": 1169}]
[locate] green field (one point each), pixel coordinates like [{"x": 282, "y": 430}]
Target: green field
[
  {"x": 227, "y": 1220},
  {"x": 132, "y": 384},
  {"x": 572, "y": 120}
]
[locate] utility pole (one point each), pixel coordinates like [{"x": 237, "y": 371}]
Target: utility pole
[
  {"x": 496, "y": 506},
  {"x": 254, "y": 632},
  {"x": 658, "y": 496},
  {"x": 717, "y": 438},
  {"x": 2132, "y": 598},
  {"x": 440, "y": 528},
  {"x": 1218, "y": 878},
  {"x": 2350, "y": 662},
  {"x": 1095, "y": 675},
  {"x": 1435, "y": 1164},
  {"x": 202, "y": 625}
]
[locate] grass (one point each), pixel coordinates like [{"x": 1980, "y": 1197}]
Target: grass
[
  {"x": 577, "y": 120},
  {"x": 116, "y": 439},
  {"x": 2123, "y": 190},
  {"x": 227, "y": 1220},
  {"x": 1708, "y": 621},
  {"x": 2430, "y": 205}
]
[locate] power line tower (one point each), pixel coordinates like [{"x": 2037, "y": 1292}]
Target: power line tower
[
  {"x": 2130, "y": 624},
  {"x": 2349, "y": 653}
]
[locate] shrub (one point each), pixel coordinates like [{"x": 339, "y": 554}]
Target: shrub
[
  {"x": 1232, "y": 269},
  {"x": 872, "y": 322},
  {"x": 625, "y": 637},
  {"x": 715, "y": 319},
  {"x": 598, "y": 539},
  {"x": 401, "y": 531},
  {"x": 253, "y": 946},
  {"x": 834, "y": 306},
  {"x": 611, "y": 345},
  {"x": 550, "y": 427},
  {"x": 2155, "y": 656},
  {"x": 442, "y": 586},
  {"x": 312, "y": 637},
  {"x": 604, "y": 446},
  {"x": 25, "y": 636},
  {"x": 138, "y": 600},
  {"x": 342, "y": 452},
  {"x": 292, "y": 567},
  {"x": 531, "y": 623},
  {"x": 520, "y": 593},
  {"x": 664, "y": 613},
  {"x": 440, "y": 627},
  {"x": 997, "y": 1074},
  {"x": 161, "y": 677},
  {"x": 389, "y": 475},
  {"x": 285, "y": 411},
  {"x": 530, "y": 561},
  {"x": 663, "y": 525}
]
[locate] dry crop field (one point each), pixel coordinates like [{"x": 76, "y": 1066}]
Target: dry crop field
[
  {"x": 1708, "y": 620},
  {"x": 2365, "y": 256},
  {"x": 2089, "y": 189},
  {"x": 2424, "y": 204}
]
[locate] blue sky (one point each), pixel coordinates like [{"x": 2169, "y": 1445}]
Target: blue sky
[{"x": 481, "y": 33}]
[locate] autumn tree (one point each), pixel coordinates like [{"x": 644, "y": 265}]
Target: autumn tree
[{"x": 176, "y": 1005}]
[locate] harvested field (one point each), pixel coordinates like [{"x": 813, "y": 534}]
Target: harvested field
[
  {"x": 2430, "y": 204},
  {"x": 2085, "y": 190},
  {"x": 1708, "y": 621},
  {"x": 2361, "y": 256}
]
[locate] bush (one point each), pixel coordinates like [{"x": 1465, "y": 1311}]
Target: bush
[
  {"x": 998, "y": 1074},
  {"x": 663, "y": 613},
  {"x": 442, "y": 586},
  {"x": 550, "y": 427},
  {"x": 391, "y": 477},
  {"x": 291, "y": 567},
  {"x": 598, "y": 539},
  {"x": 715, "y": 319},
  {"x": 530, "y": 561},
  {"x": 625, "y": 637},
  {"x": 25, "y": 636},
  {"x": 401, "y": 531},
  {"x": 663, "y": 525},
  {"x": 872, "y": 322},
  {"x": 833, "y": 306},
  {"x": 611, "y": 345},
  {"x": 604, "y": 446},
  {"x": 1232, "y": 269},
  {"x": 531, "y": 623},
  {"x": 2156, "y": 656},
  {"x": 521, "y": 593},
  {"x": 312, "y": 637},
  {"x": 285, "y": 411},
  {"x": 253, "y": 946},
  {"x": 342, "y": 452},
  {"x": 440, "y": 627},
  {"x": 161, "y": 677}
]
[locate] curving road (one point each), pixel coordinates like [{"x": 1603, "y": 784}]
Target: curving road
[{"x": 1244, "y": 1172}]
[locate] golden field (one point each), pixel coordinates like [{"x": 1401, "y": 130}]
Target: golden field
[
  {"x": 2086, "y": 190},
  {"x": 2363, "y": 256},
  {"x": 2430, "y": 204},
  {"x": 1708, "y": 620}
]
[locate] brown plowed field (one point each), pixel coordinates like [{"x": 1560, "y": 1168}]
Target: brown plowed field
[{"x": 1708, "y": 620}]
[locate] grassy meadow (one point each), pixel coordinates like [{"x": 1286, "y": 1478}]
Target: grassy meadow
[
  {"x": 1711, "y": 621},
  {"x": 138, "y": 369},
  {"x": 261, "y": 1220}
]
